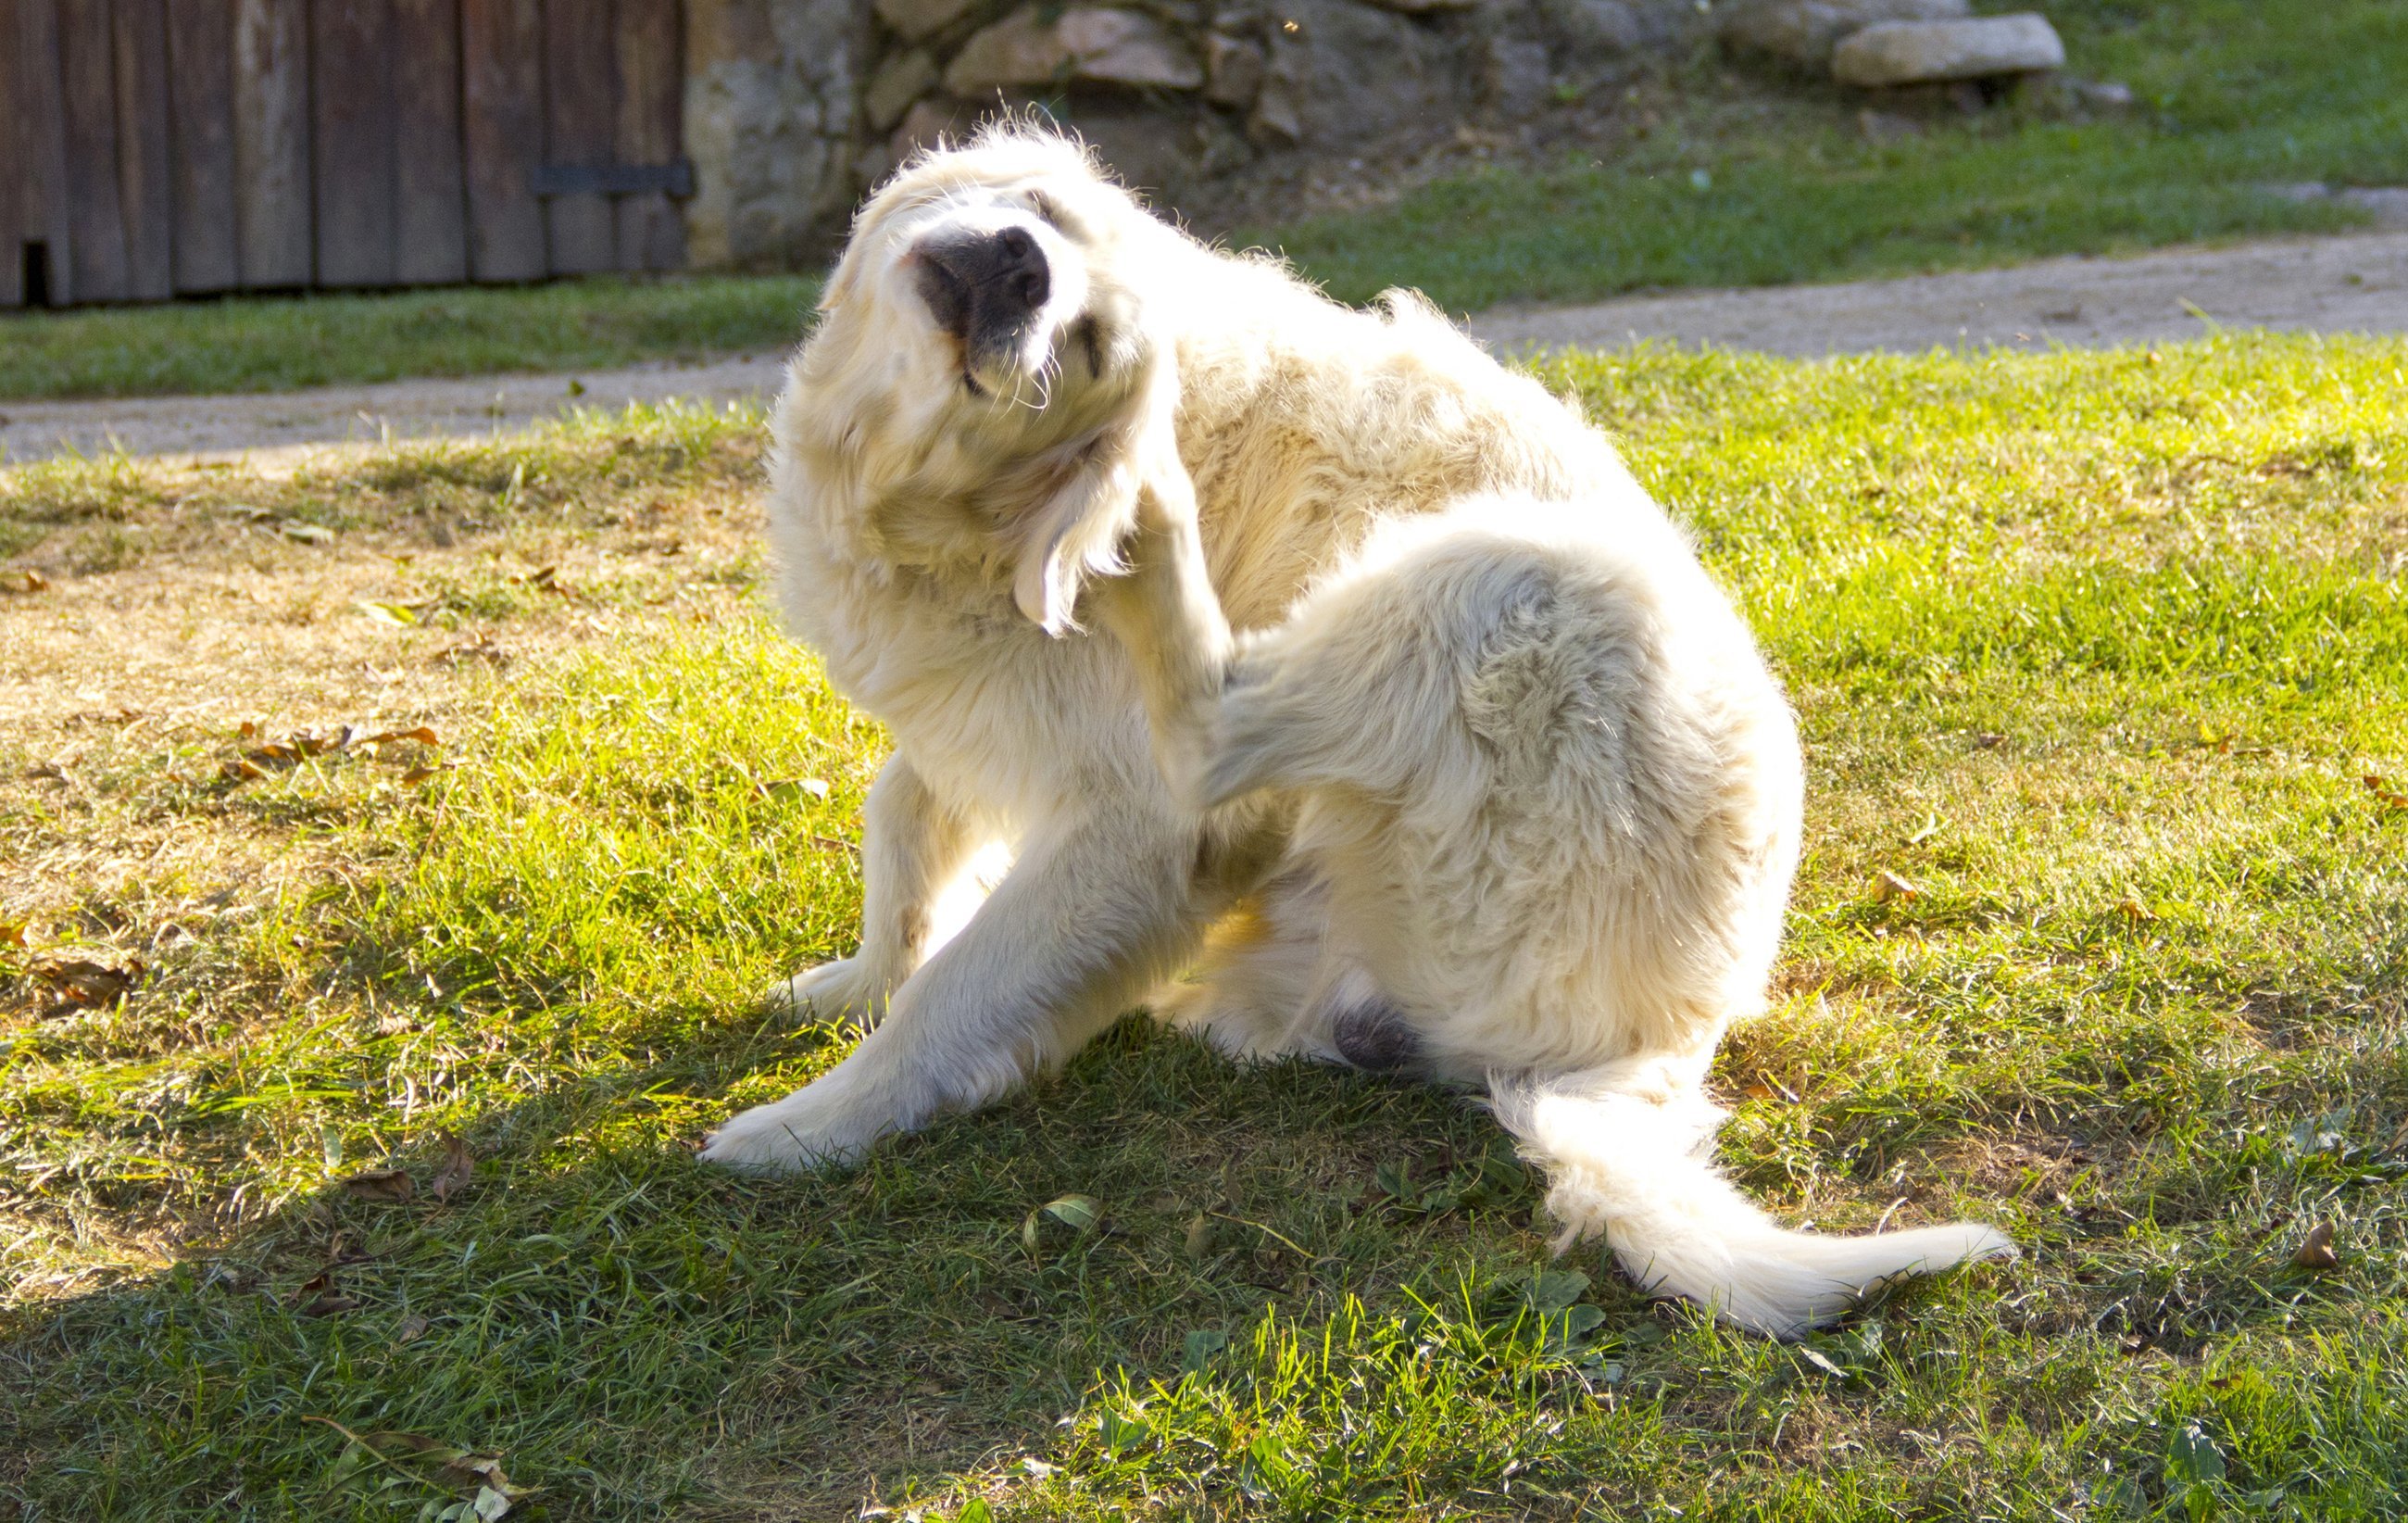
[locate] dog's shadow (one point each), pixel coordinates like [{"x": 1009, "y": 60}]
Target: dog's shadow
[{"x": 618, "y": 1321}]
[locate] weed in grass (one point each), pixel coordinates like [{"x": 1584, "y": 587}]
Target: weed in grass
[{"x": 2094, "y": 653}]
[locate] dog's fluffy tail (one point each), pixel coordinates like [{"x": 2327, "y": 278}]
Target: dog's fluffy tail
[{"x": 1634, "y": 1170}]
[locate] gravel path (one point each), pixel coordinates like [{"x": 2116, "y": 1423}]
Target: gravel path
[{"x": 2353, "y": 284}]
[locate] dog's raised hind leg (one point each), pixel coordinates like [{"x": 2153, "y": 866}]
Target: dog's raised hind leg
[{"x": 1164, "y": 613}]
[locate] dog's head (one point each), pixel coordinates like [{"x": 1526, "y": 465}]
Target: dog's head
[{"x": 998, "y": 333}]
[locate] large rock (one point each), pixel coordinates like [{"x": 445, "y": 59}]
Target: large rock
[
  {"x": 772, "y": 96},
  {"x": 1343, "y": 73},
  {"x": 916, "y": 20},
  {"x": 1934, "y": 52},
  {"x": 1804, "y": 31},
  {"x": 1234, "y": 70},
  {"x": 1085, "y": 43},
  {"x": 1593, "y": 27},
  {"x": 903, "y": 79}
]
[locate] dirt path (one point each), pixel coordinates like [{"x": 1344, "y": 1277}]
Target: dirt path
[
  {"x": 2357, "y": 284},
  {"x": 2353, "y": 284}
]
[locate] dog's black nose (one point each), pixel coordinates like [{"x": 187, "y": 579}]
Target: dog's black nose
[{"x": 982, "y": 286}]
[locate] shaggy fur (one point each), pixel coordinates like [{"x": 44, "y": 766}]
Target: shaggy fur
[{"x": 1489, "y": 784}]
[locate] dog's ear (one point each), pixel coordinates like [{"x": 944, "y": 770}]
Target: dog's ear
[{"x": 1078, "y": 531}]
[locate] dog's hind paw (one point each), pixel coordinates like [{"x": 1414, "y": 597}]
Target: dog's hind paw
[{"x": 847, "y": 990}]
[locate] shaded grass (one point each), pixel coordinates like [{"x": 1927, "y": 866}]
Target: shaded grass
[
  {"x": 2094, "y": 651},
  {"x": 279, "y": 343},
  {"x": 1733, "y": 189}
]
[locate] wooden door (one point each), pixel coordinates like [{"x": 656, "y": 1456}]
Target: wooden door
[{"x": 151, "y": 148}]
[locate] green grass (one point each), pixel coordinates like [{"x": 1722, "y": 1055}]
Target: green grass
[
  {"x": 1733, "y": 190},
  {"x": 2234, "y": 95},
  {"x": 2096, "y": 649},
  {"x": 277, "y": 344}
]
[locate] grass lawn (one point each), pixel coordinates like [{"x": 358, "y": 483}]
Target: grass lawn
[
  {"x": 1727, "y": 181},
  {"x": 381, "y": 1164},
  {"x": 279, "y": 343},
  {"x": 1736, "y": 188}
]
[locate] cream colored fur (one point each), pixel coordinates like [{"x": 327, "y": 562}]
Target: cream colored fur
[{"x": 1306, "y": 642}]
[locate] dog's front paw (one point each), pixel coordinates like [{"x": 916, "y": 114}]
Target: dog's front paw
[
  {"x": 849, "y": 989},
  {"x": 813, "y": 1127}
]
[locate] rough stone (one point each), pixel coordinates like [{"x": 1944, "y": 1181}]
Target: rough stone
[
  {"x": 1278, "y": 116},
  {"x": 1233, "y": 71},
  {"x": 1804, "y": 31},
  {"x": 1515, "y": 75},
  {"x": 916, "y": 20},
  {"x": 903, "y": 79},
  {"x": 1929, "y": 53},
  {"x": 1596, "y": 26},
  {"x": 1343, "y": 73},
  {"x": 1085, "y": 43},
  {"x": 929, "y": 119},
  {"x": 770, "y": 102}
]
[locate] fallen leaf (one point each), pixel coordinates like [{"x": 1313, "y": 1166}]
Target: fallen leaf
[
  {"x": 241, "y": 770},
  {"x": 249, "y": 730},
  {"x": 31, "y": 580},
  {"x": 308, "y": 534},
  {"x": 381, "y": 1184},
  {"x": 1889, "y": 885},
  {"x": 2381, "y": 787},
  {"x": 317, "y": 1297},
  {"x": 792, "y": 788},
  {"x": 2135, "y": 909},
  {"x": 1079, "y": 1212},
  {"x": 393, "y": 613},
  {"x": 420, "y": 774},
  {"x": 91, "y": 984},
  {"x": 12, "y": 934},
  {"x": 424, "y": 735},
  {"x": 2316, "y": 1251},
  {"x": 457, "y": 1171},
  {"x": 412, "y": 1328}
]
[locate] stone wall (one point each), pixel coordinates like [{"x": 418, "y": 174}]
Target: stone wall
[
  {"x": 794, "y": 107},
  {"x": 772, "y": 125}
]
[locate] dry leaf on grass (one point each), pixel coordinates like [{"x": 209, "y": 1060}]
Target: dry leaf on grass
[
  {"x": 29, "y": 580},
  {"x": 487, "y": 1492},
  {"x": 410, "y": 1328},
  {"x": 457, "y": 1171},
  {"x": 1888, "y": 885},
  {"x": 2381, "y": 787},
  {"x": 317, "y": 1297},
  {"x": 2316, "y": 1251},
  {"x": 424, "y": 735},
  {"x": 380, "y": 1185},
  {"x": 90, "y": 984}
]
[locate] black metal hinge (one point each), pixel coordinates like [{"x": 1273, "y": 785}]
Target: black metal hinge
[{"x": 676, "y": 178}]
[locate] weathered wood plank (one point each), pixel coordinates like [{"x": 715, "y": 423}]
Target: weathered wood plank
[
  {"x": 13, "y": 175},
  {"x": 502, "y": 123},
  {"x": 579, "y": 60},
  {"x": 651, "y": 86},
  {"x": 430, "y": 199},
  {"x": 273, "y": 230},
  {"x": 144, "y": 192},
  {"x": 200, "y": 85},
  {"x": 38, "y": 106},
  {"x": 95, "y": 217},
  {"x": 350, "y": 136}
]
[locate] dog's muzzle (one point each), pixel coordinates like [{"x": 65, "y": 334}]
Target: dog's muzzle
[{"x": 983, "y": 288}]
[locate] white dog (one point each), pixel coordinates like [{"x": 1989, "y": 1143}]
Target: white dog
[{"x": 1495, "y": 788}]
